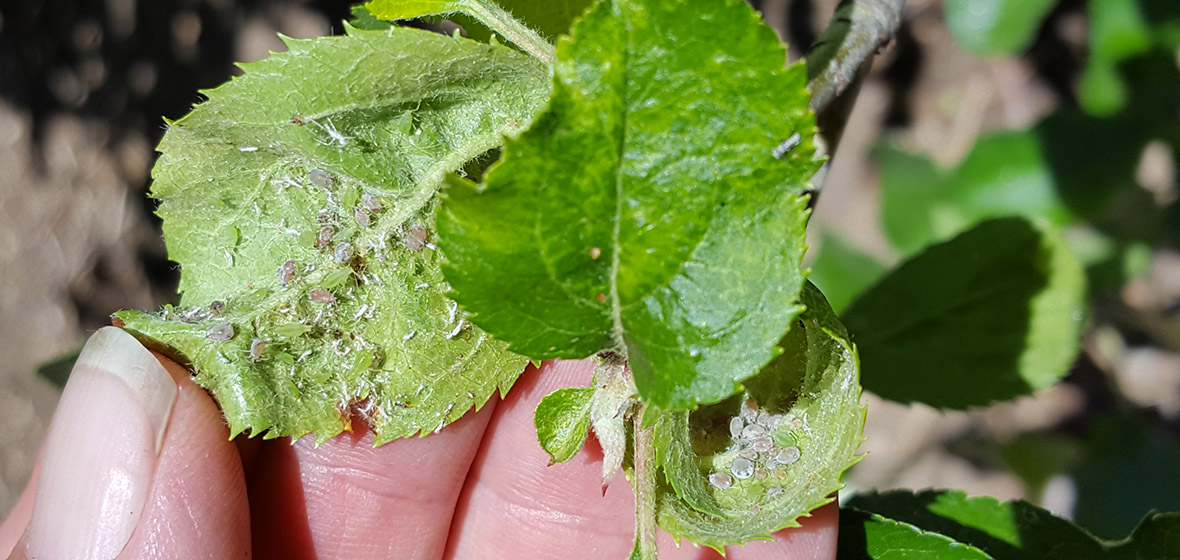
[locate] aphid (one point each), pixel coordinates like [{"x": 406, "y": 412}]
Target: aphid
[
  {"x": 749, "y": 410},
  {"x": 220, "y": 332},
  {"x": 320, "y": 178},
  {"x": 788, "y": 456},
  {"x": 217, "y": 307},
  {"x": 753, "y": 431},
  {"x": 789, "y": 144},
  {"x": 117, "y": 322},
  {"x": 257, "y": 347},
  {"x": 362, "y": 216},
  {"x": 286, "y": 272},
  {"x": 601, "y": 297},
  {"x": 409, "y": 335},
  {"x": 296, "y": 119},
  {"x": 760, "y": 473},
  {"x": 595, "y": 252},
  {"x": 774, "y": 491},
  {"x": 735, "y": 427},
  {"x": 762, "y": 444},
  {"x": 415, "y": 238},
  {"x": 764, "y": 418},
  {"x": 720, "y": 480},
  {"x": 742, "y": 468},
  {"x": 748, "y": 453},
  {"x": 325, "y": 236},
  {"x": 320, "y": 295},
  {"x": 371, "y": 203},
  {"x": 343, "y": 252}
]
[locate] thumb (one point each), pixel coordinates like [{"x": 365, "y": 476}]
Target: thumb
[{"x": 119, "y": 474}]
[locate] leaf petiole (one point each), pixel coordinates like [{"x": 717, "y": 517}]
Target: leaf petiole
[
  {"x": 499, "y": 20},
  {"x": 645, "y": 489}
]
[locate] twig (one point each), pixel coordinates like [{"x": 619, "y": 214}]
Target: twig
[
  {"x": 858, "y": 29},
  {"x": 839, "y": 62}
]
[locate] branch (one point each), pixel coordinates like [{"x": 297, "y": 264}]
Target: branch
[
  {"x": 838, "y": 63},
  {"x": 858, "y": 29}
]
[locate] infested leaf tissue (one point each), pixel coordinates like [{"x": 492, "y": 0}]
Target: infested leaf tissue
[{"x": 388, "y": 225}]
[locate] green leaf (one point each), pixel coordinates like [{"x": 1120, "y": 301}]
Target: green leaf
[
  {"x": 1014, "y": 530},
  {"x": 550, "y": 18},
  {"x": 562, "y": 419},
  {"x": 1006, "y": 174},
  {"x": 991, "y": 314},
  {"x": 1156, "y": 538},
  {"x": 486, "y": 12},
  {"x": 1117, "y": 32},
  {"x": 866, "y": 535},
  {"x": 996, "y": 27},
  {"x": 1126, "y": 468},
  {"x": 806, "y": 403},
  {"x": 316, "y": 140},
  {"x": 916, "y": 208},
  {"x": 645, "y": 211},
  {"x": 842, "y": 271}
]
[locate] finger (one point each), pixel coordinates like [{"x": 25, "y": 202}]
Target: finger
[
  {"x": 100, "y": 451},
  {"x": 347, "y": 499},
  {"x": 514, "y": 505},
  {"x": 198, "y": 506},
  {"x": 18, "y": 519},
  {"x": 814, "y": 539}
]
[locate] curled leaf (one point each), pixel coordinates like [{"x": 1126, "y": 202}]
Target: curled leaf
[
  {"x": 299, "y": 199},
  {"x": 751, "y": 465}
]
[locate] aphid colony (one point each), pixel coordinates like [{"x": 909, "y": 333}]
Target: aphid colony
[
  {"x": 759, "y": 456},
  {"x": 327, "y": 238}
]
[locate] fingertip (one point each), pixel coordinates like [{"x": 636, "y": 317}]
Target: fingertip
[
  {"x": 814, "y": 539},
  {"x": 198, "y": 505}
]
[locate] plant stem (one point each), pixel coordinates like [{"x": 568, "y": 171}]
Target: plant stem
[
  {"x": 502, "y": 22},
  {"x": 858, "y": 29},
  {"x": 838, "y": 63},
  {"x": 645, "y": 490}
]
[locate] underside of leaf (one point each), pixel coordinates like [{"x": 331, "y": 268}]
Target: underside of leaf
[
  {"x": 299, "y": 202},
  {"x": 751, "y": 465}
]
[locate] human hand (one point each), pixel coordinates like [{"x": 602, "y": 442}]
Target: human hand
[{"x": 138, "y": 463}]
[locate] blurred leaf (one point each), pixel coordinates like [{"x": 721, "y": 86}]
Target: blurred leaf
[
  {"x": 1127, "y": 468},
  {"x": 989, "y": 315},
  {"x": 1036, "y": 458},
  {"x": 1014, "y": 530},
  {"x": 996, "y": 27},
  {"x": 562, "y": 419},
  {"x": 1006, "y": 175},
  {"x": 1117, "y": 32},
  {"x": 865, "y": 535},
  {"x": 841, "y": 270},
  {"x": 916, "y": 207},
  {"x": 1090, "y": 158},
  {"x": 57, "y": 371}
]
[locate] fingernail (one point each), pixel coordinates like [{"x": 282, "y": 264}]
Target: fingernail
[{"x": 101, "y": 451}]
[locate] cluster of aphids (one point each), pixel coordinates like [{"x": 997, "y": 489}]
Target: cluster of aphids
[{"x": 760, "y": 454}]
